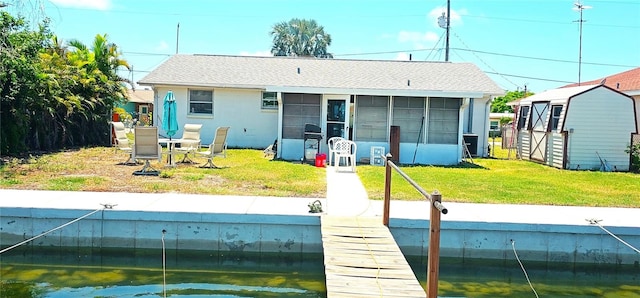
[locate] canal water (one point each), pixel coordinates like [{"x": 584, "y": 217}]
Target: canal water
[{"x": 128, "y": 273}]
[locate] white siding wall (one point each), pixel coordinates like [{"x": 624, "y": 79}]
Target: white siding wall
[
  {"x": 432, "y": 154},
  {"x": 480, "y": 123},
  {"x": 602, "y": 121},
  {"x": 251, "y": 127},
  {"x": 555, "y": 155}
]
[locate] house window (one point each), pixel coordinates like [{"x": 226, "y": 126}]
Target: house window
[
  {"x": 299, "y": 109},
  {"x": 200, "y": 102},
  {"x": 144, "y": 110},
  {"x": 444, "y": 115},
  {"x": 555, "y": 116},
  {"x": 408, "y": 114},
  {"x": 269, "y": 100},
  {"x": 372, "y": 114},
  {"x": 494, "y": 125},
  {"x": 524, "y": 113}
]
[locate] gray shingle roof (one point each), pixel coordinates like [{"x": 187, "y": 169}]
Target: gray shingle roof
[{"x": 266, "y": 72}]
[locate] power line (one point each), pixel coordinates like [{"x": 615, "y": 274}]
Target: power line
[
  {"x": 525, "y": 77},
  {"x": 488, "y": 53},
  {"x": 483, "y": 62}
]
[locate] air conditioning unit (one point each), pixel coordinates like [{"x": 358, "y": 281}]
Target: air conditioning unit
[{"x": 376, "y": 158}]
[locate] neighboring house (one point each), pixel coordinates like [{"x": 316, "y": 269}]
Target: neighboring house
[
  {"x": 267, "y": 98},
  {"x": 582, "y": 127},
  {"x": 494, "y": 122},
  {"x": 140, "y": 104}
]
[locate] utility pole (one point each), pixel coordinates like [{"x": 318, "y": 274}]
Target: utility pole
[
  {"x": 446, "y": 53},
  {"x": 444, "y": 21},
  {"x": 580, "y": 7}
]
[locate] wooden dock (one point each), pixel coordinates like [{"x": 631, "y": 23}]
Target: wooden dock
[{"x": 362, "y": 259}]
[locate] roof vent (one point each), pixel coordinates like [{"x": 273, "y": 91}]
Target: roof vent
[
  {"x": 408, "y": 82},
  {"x": 617, "y": 85},
  {"x": 298, "y": 70}
]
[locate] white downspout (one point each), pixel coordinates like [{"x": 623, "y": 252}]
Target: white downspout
[
  {"x": 487, "y": 123},
  {"x": 463, "y": 107}
]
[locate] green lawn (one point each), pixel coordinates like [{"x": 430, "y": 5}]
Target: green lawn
[
  {"x": 248, "y": 172},
  {"x": 503, "y": 181}
]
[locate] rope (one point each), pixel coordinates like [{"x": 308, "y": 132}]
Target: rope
[
  {"x": 373, "y": 257},
  {"x": 164, "y": 268},
  {"x": 513, "y": 245},
  {"x": 597, "y": 222},
  {"x": 105, "y": 206}
]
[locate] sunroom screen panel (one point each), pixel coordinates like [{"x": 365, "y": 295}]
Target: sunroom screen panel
[
  {"x": 297, "y": 110},
  {"x": 372, "y": 118}
]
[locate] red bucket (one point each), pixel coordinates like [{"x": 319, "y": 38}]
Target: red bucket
[{"x": 321, "y": 159}]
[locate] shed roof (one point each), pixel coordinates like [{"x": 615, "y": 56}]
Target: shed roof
[
  {"x": 321, "y": 74},
  {"x": 557, "y": 94},
  {"x": 140, "y": 96}
]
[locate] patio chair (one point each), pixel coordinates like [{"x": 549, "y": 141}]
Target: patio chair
[
  {"x": 147, "y": 148},
  {"x": 331, "y": 143},
  {"x": 190, "y": 141},
  {"x": 121, "y": 142},
  {"x": 217, "y": 148},
  {"x": 345, "y": 150}
]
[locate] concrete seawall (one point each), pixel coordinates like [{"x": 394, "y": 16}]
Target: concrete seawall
[{"x": 251, "y": 224}]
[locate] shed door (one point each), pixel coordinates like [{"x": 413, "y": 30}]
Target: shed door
[{"x": 539, "y": 131}]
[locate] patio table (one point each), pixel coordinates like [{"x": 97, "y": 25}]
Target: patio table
[{"x": 170, "y": 143}]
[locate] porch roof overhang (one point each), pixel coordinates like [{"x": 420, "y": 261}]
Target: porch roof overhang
[
  {"x": 328, "y": 90},
  {"x": 379, "y": 92}
]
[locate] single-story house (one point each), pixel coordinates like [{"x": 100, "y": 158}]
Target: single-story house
[
  {"x": 586, "y": 127},
  {"x": 139, "y": 104},
  {"x": 495, "y": 129},
  {"x": 430, "y": 106}
]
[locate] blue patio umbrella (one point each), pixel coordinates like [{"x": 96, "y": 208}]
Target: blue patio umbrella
[{"x": 170, "y": 121}]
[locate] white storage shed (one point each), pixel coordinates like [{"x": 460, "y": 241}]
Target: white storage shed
[{"x": 577, "y": 128}]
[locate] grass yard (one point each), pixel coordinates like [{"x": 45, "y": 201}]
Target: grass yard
[
  {"x": 500, "y": 180},
  {"x": 247, "y": 172},
  {"x": 243, "y": 172}
]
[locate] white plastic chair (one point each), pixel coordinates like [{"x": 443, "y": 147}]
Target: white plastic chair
[
  {"x": 331, "y": 143},
  {"x": 345, "y": 150}
]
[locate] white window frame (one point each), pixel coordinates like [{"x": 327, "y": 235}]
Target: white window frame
[
  {"x": 191, "y": 102},
  {"x": 269, "y": 101}
]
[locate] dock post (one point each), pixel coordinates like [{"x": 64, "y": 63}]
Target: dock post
[
  {"x": 433, "y": 263},
  {"x": 387, "y": 191}
]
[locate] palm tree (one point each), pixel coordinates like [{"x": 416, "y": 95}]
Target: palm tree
[{"x": 300, "y": 37}]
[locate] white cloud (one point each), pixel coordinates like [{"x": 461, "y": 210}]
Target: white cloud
[
  {"x": 162, "y": 46},
  {"x": 94, "y": 4},
  {"x": 258, "y": 53}
]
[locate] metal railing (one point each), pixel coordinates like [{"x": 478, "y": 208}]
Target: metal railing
[{"x": 435, "y": 199}]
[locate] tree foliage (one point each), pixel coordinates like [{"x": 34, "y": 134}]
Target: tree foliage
[
  {"x": 53, "y": 95},
  {"x": 499, "y": 104},
  {"x": 300, "y": 37}
]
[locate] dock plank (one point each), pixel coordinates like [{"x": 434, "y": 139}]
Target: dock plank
[{"x": 362, "y": 259}]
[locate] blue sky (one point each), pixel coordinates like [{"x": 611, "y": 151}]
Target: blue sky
[{"x": 517, "y": 43}]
